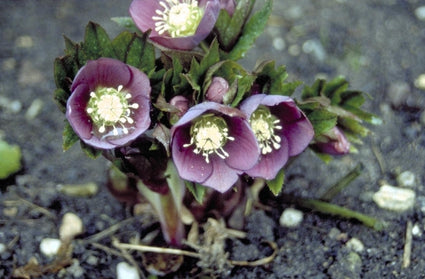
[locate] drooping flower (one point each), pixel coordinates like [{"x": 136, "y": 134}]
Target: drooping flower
[
  {"x": 212, "y": 144},
  {"x": 109, "y": 103},
  {"x": 281, "y": 129},
  {"x": 332, "y": 142},
  {"x": 217, "y": 89},
  {"x": 176, "y": 24}
]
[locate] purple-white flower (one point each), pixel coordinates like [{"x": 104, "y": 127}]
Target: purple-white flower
[
  {"x": 212, "y": 144},
  {"x": 332, "y": 142},
  {"x": 176, "y": 24},
  {"x": 109, "y": 103},
  {"x": 281, "y": 129}
]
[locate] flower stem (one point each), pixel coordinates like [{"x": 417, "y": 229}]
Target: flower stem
[
  {"x": 333, "y": 209},
  {"x": 342, "y": 183}
]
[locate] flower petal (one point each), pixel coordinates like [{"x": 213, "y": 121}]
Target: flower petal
[
  {"x": 222, "y": 177},
  {"x": 190, "y": 166},
  {"x": 243, "y": 151},
  {"x": 76, "y": 113},
  {"x": 269, "y": 165}
]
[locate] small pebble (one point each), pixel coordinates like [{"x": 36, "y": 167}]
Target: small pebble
[
  {"x": 420, "y": 82},
  {"x": 34, "y": 109},
  {"x": 291, "y": 218},
  {"x": 92, "y": 260},
  {"x": 279, "y": 43},
  {"x": 75, "y": 269},
  {"x": 3, "y": 248},
  {"x": 394, "y": 198},
  {"x": 354, "y": 244},
  {"x": 420, "y": 12},
  {"x": 406, "y": 179},
  {"x": 24, "y": 41},
  {"x": 315, "y": 48},
  {"x": 71, "y": 226},
  {"x": 50, "y": 246},
  {"x": 416, "y": 230},
  {"x": 126, "y": 271},
  {"x": 79, "y": 190}
]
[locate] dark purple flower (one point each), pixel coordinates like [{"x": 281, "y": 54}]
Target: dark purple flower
[
  {"x": 109, "y": 103},
  {"x": 217, "y": 89},
  {"x": 212, "y": 144},
  {"x": 176, "y": 24},
  {"x": 281, "y": 128},
  {"x": 332, "y": 142}
]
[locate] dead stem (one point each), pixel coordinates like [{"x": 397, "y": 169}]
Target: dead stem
[
  {"x": 31, "y": 205},
  {"x": 262, "y": 261},
  {"x": 407, "y": 245}
]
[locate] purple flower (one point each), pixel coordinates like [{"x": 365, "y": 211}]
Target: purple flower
[
  {"x": 176, "y": 24},
  {"x": 281, "y": 128},
  {"x": 217, "y": 89},
  {"x": 212, "y": 144},
  {"x": 109, "y": 103},
  {"x": 332, "y": 142}
]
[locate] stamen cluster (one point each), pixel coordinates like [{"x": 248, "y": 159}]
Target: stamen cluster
[
  {"x": 264, "y": 124},
  {"x": 109, "y": 107}
]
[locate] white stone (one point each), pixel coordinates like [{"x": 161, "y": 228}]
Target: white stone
[
  {"x": 126, "y": 271},
  {"x": 420, "y": 82},
  {"x": 354, "y": 244},
  {"x": 279, "y": 43},
  {"x": 50, "y": 246},
  {"x": 71, "y": 226},
  {"x": 406, "y": 179},
  {"x": 291, "y": 218},
  {"x": 394, "y": 198},
  {"x": 416, "y": 230},
  {"x": 3, "y": 248},
  {"x": 420, "y": 12}
]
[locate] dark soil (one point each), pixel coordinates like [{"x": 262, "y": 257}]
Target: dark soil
[{"x": 378, "y": 45}]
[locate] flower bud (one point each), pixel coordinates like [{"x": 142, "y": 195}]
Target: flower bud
[
  {"x": 333, "y": 142},
  {"x": 218, "y": 88}
]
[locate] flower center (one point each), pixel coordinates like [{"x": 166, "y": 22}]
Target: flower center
[
  {"x": 178, "y": 19},
  {"x": 264, "y": 124},
  {"x": 209, "y": 134},
  {"x": 109, "y": 107}
]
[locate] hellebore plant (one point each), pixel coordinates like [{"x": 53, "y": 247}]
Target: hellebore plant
[{"x": 171, "y": 118}]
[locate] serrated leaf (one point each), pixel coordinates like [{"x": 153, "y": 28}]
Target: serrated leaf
[
  {"x": 322, "y": 121},
  {"x": 352, "y": 98},
  {"x": 276, "y": 185},
  {"x": 198, "y": 70},
  {"x": 69, "y": 137},
  {"x": 314, "y": 90},
  {"x": 97, "y": 43},
  {"x": 135, "y": 50},
  {"x": 363, "y": 115},
  {"x": 61, "y": 97},
  {"x": 326, "y": 158},
  {"x": 228, "y": 27},
  {"x": 252, "y": 29},
  {"x": 64, "y": 70},
  {"x": 10, "y": 162},
  {"x": 272, "y": 79},
  {"x": 334, "y": 88},
  {"x": 353, "y": 126},
  {"x": 198, "y": 191}
]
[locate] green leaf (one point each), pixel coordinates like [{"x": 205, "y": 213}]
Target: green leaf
[
  {"x": 322, "y": 121},
  {"x": 228, "y": 27},
  {"x": 61, "y": 96},
  {"x": 90, "y": 151},
  {"x": 10, "y": 162},
  {"x": 135, "y": 50},
  {"x": 334, "y": 88},
  {"x": 275, "y": 185},
  {"x": 97, "y": 43},
  {"x": 314, "y": 90},
  {"x": 353, "y": 126},
  {"x": 69, "y": 137},
  {"x": 272, "y": 79},
  {"x": 252, "y": 29},
  {"x": 352, "y": 98},
  {"x": 198, "y": 191},
  {"x": 64, "y": 70},
  {"x": 198, "y": 70}
]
